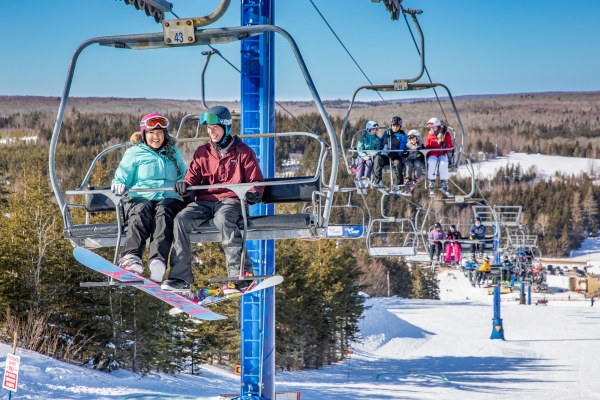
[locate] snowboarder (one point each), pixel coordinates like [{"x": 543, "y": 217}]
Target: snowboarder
[
  {"x": 414, "y": 161},
  {"x": 436, "y": 237},
  {"x": 152, "y": 162},
  {"x": 437, "y": 160},
  {"x": 224, "y": 159},
  {"x": 452, "y": 245},
  {"x": 477, "y": 232},
  {"x": 368, "y": 141},
  {"x": 393, "y": 139}
]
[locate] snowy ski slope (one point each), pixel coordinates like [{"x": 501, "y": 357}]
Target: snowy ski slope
[{"x": 412, "y": 349}]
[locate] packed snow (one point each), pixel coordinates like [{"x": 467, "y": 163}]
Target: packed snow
[
  {"x": 545, "y": 166},
  {"x": 411, "y": 349}
]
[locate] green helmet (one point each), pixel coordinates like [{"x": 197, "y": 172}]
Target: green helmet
[{"x": 217, "y": 115}]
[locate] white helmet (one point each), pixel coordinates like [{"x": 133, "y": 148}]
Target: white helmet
[
  {"x": 434, "y": 121},
  {"x": 371, "y": 125},
  {"x": 413, "y": 132}
]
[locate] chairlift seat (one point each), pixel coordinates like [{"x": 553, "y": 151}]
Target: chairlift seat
[{"x": 283, "y": 225}]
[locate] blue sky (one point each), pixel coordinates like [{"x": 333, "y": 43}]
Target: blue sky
[{"x": 472, "y": 46}]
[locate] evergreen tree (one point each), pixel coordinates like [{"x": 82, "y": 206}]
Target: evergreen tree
[{"x": 419, "y": 284}]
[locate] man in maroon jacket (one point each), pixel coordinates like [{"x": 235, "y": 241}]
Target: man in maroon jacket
[{"x": 225, "y": 159}]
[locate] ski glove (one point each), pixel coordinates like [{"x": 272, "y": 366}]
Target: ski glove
[
  {"x": 181, "y": 188},
  {"x": 253, "y": 196},
  {"x": 119, "y": 189}
]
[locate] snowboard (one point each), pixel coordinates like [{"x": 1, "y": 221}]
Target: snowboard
[
  {"x": 100, "y": 264},
  {"x": 211, "y": 300}
]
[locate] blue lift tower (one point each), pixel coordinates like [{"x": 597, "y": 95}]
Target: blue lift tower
[{"x": 257, "y": 319}]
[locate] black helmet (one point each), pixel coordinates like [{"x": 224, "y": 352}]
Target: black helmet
[
  {"x": 396, "y": 120},
  {"x": 437, "y": 225},
  {"x": 217, "y": 115},
  {"x": 453, "y": 227},
  {"x": 505, "y": 258},
  {"x": 477, "y": 219}
]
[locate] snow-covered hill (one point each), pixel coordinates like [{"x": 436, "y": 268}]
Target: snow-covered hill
[
  {"x": 412, "y": 349},
  {"x": 546, "y": 166}
]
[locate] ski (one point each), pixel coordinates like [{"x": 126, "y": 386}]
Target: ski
[
  {"x": 214, "y": 299},
  {"x": 409, "y": 189},
  {"x": 445, "y": 192},
  {"x": 100, "y": 264}
]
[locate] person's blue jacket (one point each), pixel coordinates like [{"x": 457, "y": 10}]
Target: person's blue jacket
[
  {"x": 398, "y": 142},
  {"x": 471, "y": 265},
  {"x": 506, "y": 265},
  {"x": 478, "y": 232},
  {"x": 143, "y": 167}
]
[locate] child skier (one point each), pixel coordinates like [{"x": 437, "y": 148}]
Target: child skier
[
  {"x": 436, "y": 237},
  {"x": 368, "y": 141},
  {"x": 483, "y": 271},
  {"x": 452, "y": 245},
  {"x": 414, "y": 161}
]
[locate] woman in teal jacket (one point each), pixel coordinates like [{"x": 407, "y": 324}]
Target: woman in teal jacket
[{"x": 152, "y": 162}]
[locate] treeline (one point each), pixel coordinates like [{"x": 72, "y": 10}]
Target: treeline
[{"x": 562, "y": 211}]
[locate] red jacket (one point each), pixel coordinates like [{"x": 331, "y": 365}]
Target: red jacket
[
  {"x": 210, "y": 167},
  {"x": 431, "y": 142}
]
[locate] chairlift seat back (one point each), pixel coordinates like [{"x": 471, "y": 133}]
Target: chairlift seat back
[
  {"x": 291, "y": 193},
  {"x": 98, "y": 202}
]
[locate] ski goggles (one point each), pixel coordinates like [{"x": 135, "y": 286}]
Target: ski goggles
[
  {"x": 212, "y": 119},
  {"x": 156, "y": 123}
]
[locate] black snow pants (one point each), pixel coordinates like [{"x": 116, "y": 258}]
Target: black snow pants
[
  {"x": 147, "y": 219},
  {"x": 397, "y": 167},
  {"x": 225, "y": 215}
]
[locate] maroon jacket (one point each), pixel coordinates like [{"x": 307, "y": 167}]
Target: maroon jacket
[{"x": 210, "y": 167}]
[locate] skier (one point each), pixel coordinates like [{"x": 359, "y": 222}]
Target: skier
[
  {"x": 224, "y": 159},
  {"x": 152, "y": 162},
  {"x": 477, "y": 232},
  {"x": 484, "y": 270},
  {"x": 452, "y": 245},
  {"x": 437, "y": 160},
  {"x": 471, "y": 270},
  {"x": 506, "y": 270},
  {"x": 393, "y": 139},
  {"x": 436, "y": 237},
  {"x": 414, "y": 161},
  {"x": 368, "y": 141},
  {"x": 592, "y": 301}
]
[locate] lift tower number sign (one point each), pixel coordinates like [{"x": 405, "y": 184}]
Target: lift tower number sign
[{"x": 11, "y": 372}]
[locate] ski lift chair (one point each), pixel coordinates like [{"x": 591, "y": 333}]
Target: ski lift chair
[
  {"x": 347, "y": 221},
  {"x": 390, "y": 236},
  {"x": 277, "y": 190}
]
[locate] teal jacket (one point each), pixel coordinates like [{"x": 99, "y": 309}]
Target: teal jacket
[
  {"x": 142, "y": 167},
  {"x": 368, "y": 141}
]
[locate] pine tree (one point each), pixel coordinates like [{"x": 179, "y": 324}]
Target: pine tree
[
  {"x": 419, "y": 284},
  {"x": 590, "y": 211}
]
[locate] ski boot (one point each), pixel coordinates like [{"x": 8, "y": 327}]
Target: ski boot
[
  {"x": 431, "y": 188},
  {"x": 444, "y": 189},
  {"x": 131, "y": 263}
]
